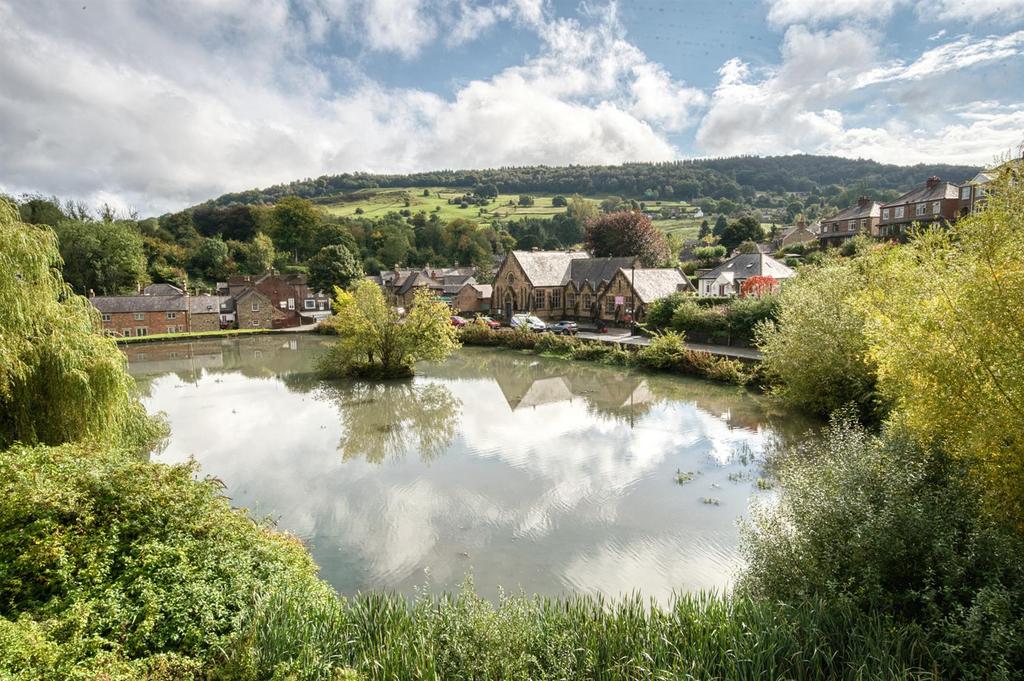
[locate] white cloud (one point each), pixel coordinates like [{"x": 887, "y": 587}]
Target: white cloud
[
  {"x": 167, "y": 111},
  {"x": 805, "y": 103},
  {"x": 786, "y": 12},
  {"x": 975, "y": 11}
]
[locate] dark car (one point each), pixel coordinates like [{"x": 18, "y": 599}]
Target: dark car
[{"x": 564, "y": 328}]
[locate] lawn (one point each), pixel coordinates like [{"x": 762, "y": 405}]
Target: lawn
[{"x": 375, "y": 203}]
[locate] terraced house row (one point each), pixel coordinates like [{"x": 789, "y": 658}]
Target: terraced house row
[{"x": 936, "y": 201}]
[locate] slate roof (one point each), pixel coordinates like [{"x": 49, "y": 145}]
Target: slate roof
[
  {"x": 114, "y": 304},
  {"x": 929, "y": 191},
  {"x": 547, "y": 268},
  {"x": 418, "y": 279},
  {"x": 871, "y": 209},
  {"x": 453, "y": 282},
  {"x": 162, "y": 290},
  {"x": 208, "y": 304},
  {"x": 652, "y": 284},
  {"x": 596, "y": 270},
  {"x": 751, "y": 265},
  {"x": 483, "y": 291}
]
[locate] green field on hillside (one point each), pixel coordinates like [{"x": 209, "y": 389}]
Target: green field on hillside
[{"x": 375, "y": 203}]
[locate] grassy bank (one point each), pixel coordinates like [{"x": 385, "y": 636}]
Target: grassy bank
[
  {"x": 667, "y": 353},
  {"x": 221, "y": 333}
]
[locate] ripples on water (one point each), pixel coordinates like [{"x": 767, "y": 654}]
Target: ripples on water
[{"x": 537, "y": 474}]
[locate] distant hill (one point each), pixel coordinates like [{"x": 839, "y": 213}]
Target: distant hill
[{"x": 732, "y": 178}]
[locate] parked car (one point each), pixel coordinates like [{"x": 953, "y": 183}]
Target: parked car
[
  {"x": 529, "y": 321},
  {"x": 458, "y": 322},
  {"x": 494, "y": 324},
  {"x": 564, "y": 328}
]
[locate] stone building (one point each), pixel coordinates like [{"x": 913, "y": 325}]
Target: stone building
[
  {"x": 473, "y": 298},
  {"x": 254, "y": 310}
]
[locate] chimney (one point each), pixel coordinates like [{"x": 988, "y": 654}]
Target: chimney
[
  {"x": 933, "y": 182},
  {"x": 801, "y": 224},
  {"x": 863, "y": 201}
]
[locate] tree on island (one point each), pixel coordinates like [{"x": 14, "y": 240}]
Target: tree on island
[
  {"x": 626, "y": 233},
  {"x": 375, "y": 341},
  {"x": 333, "y": 267}
]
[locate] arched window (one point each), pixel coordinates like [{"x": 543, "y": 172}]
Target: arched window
[{"x": 510, "y": 278}]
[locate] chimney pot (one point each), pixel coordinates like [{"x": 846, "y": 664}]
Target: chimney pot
[{"x": 933, "y": 181}]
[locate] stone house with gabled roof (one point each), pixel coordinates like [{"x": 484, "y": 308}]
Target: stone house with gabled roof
[
  {"x": 727, "y": 279},
  {"x": 570, "y": 284}
]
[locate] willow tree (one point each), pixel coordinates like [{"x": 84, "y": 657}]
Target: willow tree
[
  {"x": 945, "y": 325},
  {"x": 60, "y": 379},
  {"x": 375, "y": 340}
]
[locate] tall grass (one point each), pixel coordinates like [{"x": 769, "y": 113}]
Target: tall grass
[{"x": 462, "y": 636}]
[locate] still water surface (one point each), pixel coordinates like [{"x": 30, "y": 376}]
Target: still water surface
[{"x": 529, "y": 473}]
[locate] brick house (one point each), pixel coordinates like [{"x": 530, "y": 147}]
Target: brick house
[
  {"x": 292, "y": 299},
  {"x": 159, "y": 308},
  {"x": 861, "y": 218},
  {"x": 934, "y": 202},
  {"x": 473, "y": 298}
]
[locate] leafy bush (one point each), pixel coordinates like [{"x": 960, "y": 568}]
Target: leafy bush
[
  {"x": 817, "y": 350},
  {"x": 111, "y": 563},
  {"x": 887, "y": 525},
  {"x": 551, "y": 344},
  {"x": 659, "y": 313},
  {"x": 691, "y": 317},
  {"x": 591, "y": 352},
  {"x": 744, "y": 314},
  {"x": 478, "y": 333},
  {"x": 520, "y": 338},
  {"x": 666, "y": 351}
]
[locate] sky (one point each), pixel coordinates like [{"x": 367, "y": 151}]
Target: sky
[{"x": 155, "y": 105}]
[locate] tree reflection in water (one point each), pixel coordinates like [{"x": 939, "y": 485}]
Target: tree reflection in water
[{"x": 386, "y": 421}]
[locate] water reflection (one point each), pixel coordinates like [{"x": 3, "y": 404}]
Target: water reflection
[
  {"x": 386, "y": 421},
  {"x": 549, "y": 475}
]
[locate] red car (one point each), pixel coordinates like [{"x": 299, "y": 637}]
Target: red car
[
  {"x": 489, "y": 322},
  {"x": 458, "y": 322}
]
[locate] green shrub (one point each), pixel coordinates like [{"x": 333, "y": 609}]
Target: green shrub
[
  {"x": 478, "y": 333},
  {"x": 666, "y": 351},
  {"x": 887, "y": 525},
  {"x": 744, "y": 314},
  {"x": 520, "y": 338},
  {"x": 692, "y": 317},
  {"x": 551, "y": 344},
  {"x": 109, "y": 562},
  {"x": 591, "y": 351},
  {"x": 659, "y": 314}
]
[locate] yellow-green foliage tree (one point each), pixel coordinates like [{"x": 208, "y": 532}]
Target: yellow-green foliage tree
[
  {"x": 374, "y": 340},
  {"x": 816, "y": 350},
  {"x": 945, "y": 325},
  {"x": 60, "y": 381}
]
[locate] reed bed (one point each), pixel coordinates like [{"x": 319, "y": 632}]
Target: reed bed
[{"x": 300, "y": 635}]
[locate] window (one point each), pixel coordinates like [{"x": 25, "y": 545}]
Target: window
[
  {"x": 965, "y": 192},
  {"x": 920, "y": 209},
  {"x": 172, "y": 315},
  {"x": 309, "y": 304},
  {"x": 283, "y": 304},
  {"x": 629, "y": 303},
  {"x": 511, "y": 278},
  {"x": 570, "y": 300},
  {"x": 885, "y": 213},
  {"x": 127, "y": 333},
  {"x": 141, "y": 331},
  {"x": 538, "y": 299},
  {"x": 255, "y": 322},
  {"x": 609, "y": 304},
  {"x": 323, "y": 304},
  {"x": 586, "y": 302},
  {"x": 170, "y": 329},
  {"x": 291, "y": 303},
  {"x": 139, "y": 316},
  {"x": 864, "y": 223},
  {"x": 556, "y": 299},
  {"x": 851, "y": 225},
  {"x": 936, "y": 207},
  {"x": 899, "y": 212},
  {"x": 106, "y": 316},
  {"x": 255, "y": 306}
]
